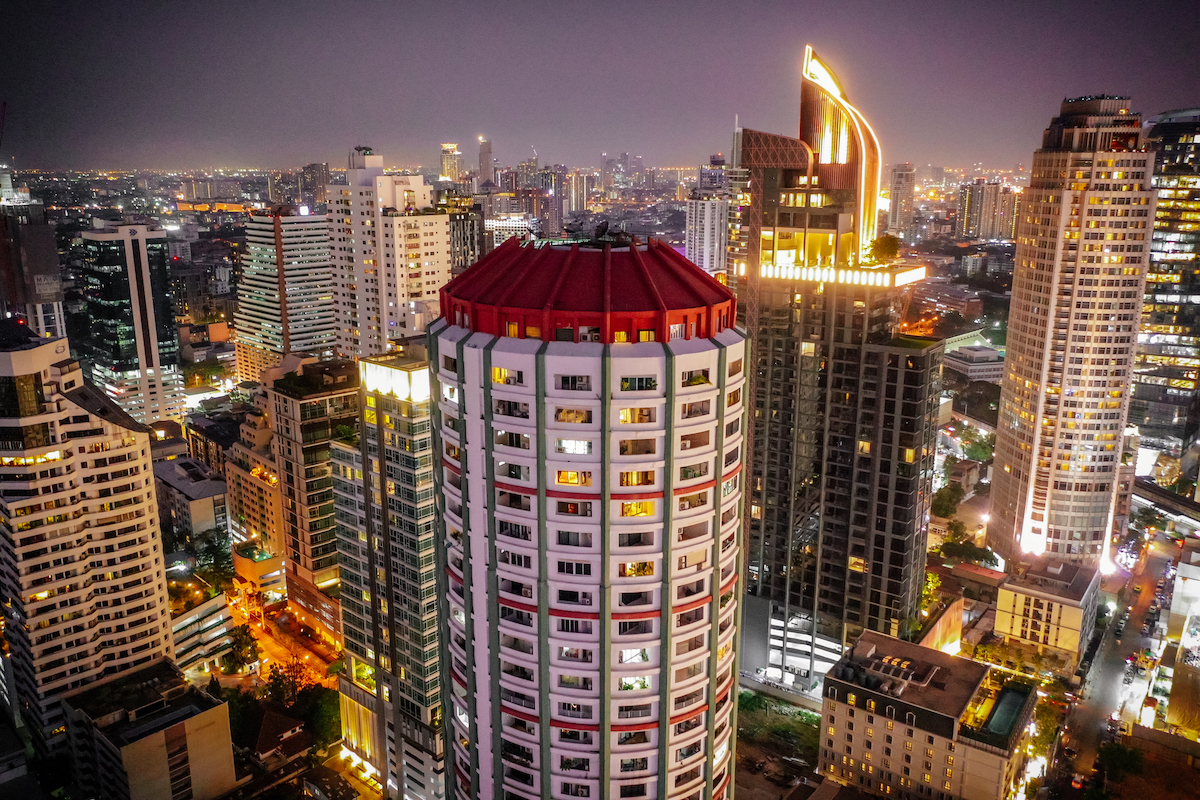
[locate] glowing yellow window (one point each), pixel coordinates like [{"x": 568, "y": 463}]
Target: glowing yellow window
[
  {"x": 864, "y": 448},
  {"x": 636, "y": 569},
  {"x": 637, "y": 478},
  {"x": 640, "y": 508},
  {"x": 620, "y": 336},
  {"x": 568, "y": 478},
  {"x": 513, "y": 330},
  {"x": 858, "y": 564},
  {"x": 646, "y": 336},
  {"x": 509, "y": 376},
  {"x": 910, "y": 455}
]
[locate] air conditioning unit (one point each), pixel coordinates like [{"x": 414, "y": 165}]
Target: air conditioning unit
[
  {"x": 510, "y": 381},
  {"x": 685, "y": 445}
]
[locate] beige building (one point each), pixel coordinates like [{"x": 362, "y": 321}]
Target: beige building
[
  {"x": 1050, "y": 606},
  {"x": 252, "y": 478},
  {"x": 905, "y": 721},
  {"x": 146, "y": 735}
]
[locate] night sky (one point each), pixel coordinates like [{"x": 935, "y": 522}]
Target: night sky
[{"x": 278, "y": 84}]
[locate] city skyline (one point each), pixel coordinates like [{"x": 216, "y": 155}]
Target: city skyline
[{"x": 936, "y": 102}]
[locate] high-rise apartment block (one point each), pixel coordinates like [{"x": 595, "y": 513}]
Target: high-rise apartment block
[
  {"x": 308, "y": 408},
  {"x": 391, "y": 255},
  {"x": 125, "y": 330},
  {"x": 589, "y": 430},
  {"x": 30, "y": 276},
  {"x": 902, "y": 193},
  {"x": 908, "y": 722},
  {"x": 1166, "y": 394},
  {"x": 987, "y": 210},
  {"x": 844, "y": 421},
  {"x": 314, "y": 182},
  {"x": 286, "y": 294},
  {"x": 706, "y": 237},
  {"x": 486, "y": 172},
  {"x": 452, "y": 162},
  {"x": 81, "y": 560},
  {"x": 384, "y": 494},
  {"x": 1082, "y": 249}
]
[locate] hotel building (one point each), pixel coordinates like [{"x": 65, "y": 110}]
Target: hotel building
[
  {"x": 1082, "y": 249},
  {"x": 81, "y": 561},
  {"x": 589, "y": 424}
]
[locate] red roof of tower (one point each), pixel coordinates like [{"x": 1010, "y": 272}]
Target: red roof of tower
[{"x": 604, "y": 294}]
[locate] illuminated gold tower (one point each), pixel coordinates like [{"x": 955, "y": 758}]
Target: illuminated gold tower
[{"x": 841, "y": 445}]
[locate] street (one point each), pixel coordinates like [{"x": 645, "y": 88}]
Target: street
[
  {"x": 274, "y": 651},
  {"x": 1105, "y": 691}
]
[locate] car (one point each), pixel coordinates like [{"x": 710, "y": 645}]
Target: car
[
  {"x": 1070, "y": 752},
  {"x": 1077, "y": 781},
  {"x": 1137, "y": 589},
  {"x": 1145, "y": 630}
]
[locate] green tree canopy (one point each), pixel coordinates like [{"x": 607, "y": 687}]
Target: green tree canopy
[
  {"x": 1117, "y": 761},
  {"x": 885, "y": 248}
]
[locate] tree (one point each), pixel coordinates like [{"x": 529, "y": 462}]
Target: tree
[
  {"x": 969, "y": 551},
  {"x": 884, "y": 249},
  {"x": 956, "y": 531},
  {"x": 287, "y": 681},
  {"x": 243, "y": 650},
  {"x": 946, "y": 500},
  {"x": 749, "y": 702},
  {"x": 1117, "y": 761},
  {"x": 320, "y": 709},
  {"x": 214, "y": 686},
  {"x": 933, "y": 582}
]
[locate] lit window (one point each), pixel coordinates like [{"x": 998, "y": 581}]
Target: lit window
[
  {"x": 570, "y": 478},
  {"x": 640, "y": 508}
]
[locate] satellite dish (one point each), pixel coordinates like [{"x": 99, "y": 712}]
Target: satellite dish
[{"x": 601, "y": 229}]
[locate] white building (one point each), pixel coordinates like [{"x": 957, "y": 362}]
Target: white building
[
  {"x": 1050, "y": 607},
  {"x": 901, "y": 192},
  {"x": 589, "y": 418},
  {"x": 391, "y": 255},
  {"x": 1082, "y": 249},
  {"x": 81, "y": 559},
  {"x": 706, "y": 238},
  {"x": 286, "y": 294},
  {"x": 976, "y": 363}
]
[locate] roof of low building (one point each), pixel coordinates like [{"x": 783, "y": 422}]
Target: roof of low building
[
  {"x": 1053, "y": 577},
  {"x": 191, "y": 478},
  {"x": 93, "y": 400}
]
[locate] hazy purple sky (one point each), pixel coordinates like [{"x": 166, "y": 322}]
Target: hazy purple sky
[{"x": 278, "y": 84}]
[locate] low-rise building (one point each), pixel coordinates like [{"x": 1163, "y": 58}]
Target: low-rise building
[
  {"x": 1050, "y": 606},
  {"x": 259, "y": 574},
  {"x": 976, "y": 363},
  {"x": 210, "y": 434},
  {"x": 905, "y": 721},
  {"x": 191, "y": 497},
  {"x": 203, "y": 634},
  {"x": 146, "y": 735}
]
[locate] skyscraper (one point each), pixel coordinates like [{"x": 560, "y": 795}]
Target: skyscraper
[
  {"x": 125, "y": 331},
  {"x": 30, "y": 275},
  {"x": 285, "y": 297},
  {"x": 1080, "y": 273},
  {"x": 384, "y": 493},
  {"x": 86, "y": 526},
  {"x": 706, "y": 235},
  {"x": 1166, "y": 390},
  {"x": 391, "y": 254},
  {"x": 987, "y": 210},
  {"x": 314, "y": 180},
  {"x": 485, "y": 160},
  {"x": 452, "y": 162},
  {"x": 903, "y": 188},
  {"x": 841, "y": 457},
  {"x": 588, "y": 418}
]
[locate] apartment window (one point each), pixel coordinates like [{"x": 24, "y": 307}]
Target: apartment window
[
  {"x": 646, "y": 335},
  {"x": 640, "y": 789},
  {"x": 575, "y": 383},
  {"x": 572, "y": 478},
  {"x": 574, "y": 568},
  {"x": 575, "y": 538},
  {"x": 574, "y": 598},
  {"x": 698, "y": 409},
  {"x": 638, "y": 384},
  {"x": 574, "y": 626},
  {"x": 620, "y": 336},
  {"x": 574, "y": 416},
  {"x": 636, "y": 569},
  {"x": 735, "y": 368},
  {"x": 695, "y": 377},
  {"x": 641, "y": 478},
  {"x": 733, "y": 398},
  {"x": 575, "y": 711},
  {"x": 678, "y": 330},
  {"x": 571, "y": 763},
  {"x": 690, "y": 471},
  {"x": 643, "y": 539},
  {"x": 637, "y": 447},
  {"x": 636, "y": 416},
  {"x": 577, "y": 447},
  {"x": 638, "y": 508},
  {"x": 511, "y": 377},
  {"x": 633, "y": 656},
  {"x": 450, "y": 364},
  {"x": 635, "y": 764},
  {"x": 635, "y": 627},
  {"x": 574, "y": 509},
  {"x": 633, "y": 737},
  {"x": 509, "y": 439}
]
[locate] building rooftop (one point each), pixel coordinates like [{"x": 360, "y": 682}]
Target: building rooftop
[
  {"x": 595, "y": 284},
  {"x": 191, "y": 478},
  {"x": 923, "y": 677},
  {"x": 1058, "y": 578},
  {"x": 16, "y": 335},
  {"x": 93, "y": 400},
  {"x": 311, "y": 380}
]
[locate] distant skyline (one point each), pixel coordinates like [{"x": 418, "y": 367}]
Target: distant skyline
[{"x": 108, "y": 85}]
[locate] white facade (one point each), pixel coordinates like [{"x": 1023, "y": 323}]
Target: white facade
[
  {"x": 592, "y": 509},
  {"x": 901, "y": 191},
  {"x": 391, "y": 256},
  {"x": 707, "y": 234},
  {"x": 1082, "y": 250},
  {"x": 285, "y": 298},
  {"x": 81, "y": 556},
  {"x": 976, "y": 363}
]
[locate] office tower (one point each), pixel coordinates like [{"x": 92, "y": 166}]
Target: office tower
[
  {"x": 125, "y": 331},
  {"x": 485, "y": 160},
  {"x": 552, "y": 183},
  {"x": 589, "y": 435},
  {"x": 713, "y": 176},
  {"x": 900, "y": 214},
  {"x": 147, "y": 734},
  {"x": 1166, "y": 401},
  {"x": 384, "y": 494},
  {"x": 391, "y": 254},
  {"x": 466, "y": 237},
  {"x": 987, "y": 210},
  {"x": 841, "y": 458},
  {"x": 907, "y": 721},
  {"x": 286, "y": 296},
  {"x": 1077, "y": 297},
  {"x": 30, "y": 276},
  {"x": 308, "y": 408},
  {"x": 577, "y": 192},
  {"x": 706, "y": 235},
  {"x": 86, "y": 525},
  {"x": 314, "y": 181},
  {"x": 452, "y": 162},
  {"x": 527, "y": 173}
]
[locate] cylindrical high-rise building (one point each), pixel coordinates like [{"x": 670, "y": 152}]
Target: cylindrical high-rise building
[
  {"x": 1082, "y": 247},
  {"x": 588, "y": 412}
]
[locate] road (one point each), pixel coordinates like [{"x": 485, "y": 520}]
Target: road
[
  {"x": 1105, "y": 691},
  {"x": 274, "y": 651}
]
